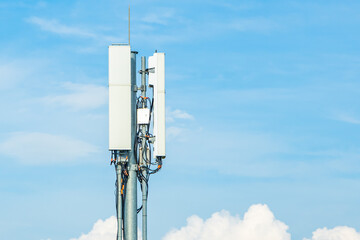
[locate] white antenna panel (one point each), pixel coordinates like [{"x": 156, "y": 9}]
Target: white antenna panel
[
  {"x": 157, "y": 81},
  {"x": 119, "y": 97}
]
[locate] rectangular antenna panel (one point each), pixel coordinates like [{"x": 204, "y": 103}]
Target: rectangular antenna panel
[
  {"x": 119, "y": 97},
  {"x": 157, "y": 81}
]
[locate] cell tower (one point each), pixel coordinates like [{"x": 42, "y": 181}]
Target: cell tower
[{"x": 136, "y": 132}]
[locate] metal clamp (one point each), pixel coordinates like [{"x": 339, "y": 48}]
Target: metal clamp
[
  {"x": 133, "y": 167},
  {"x": 147, "y": 71}
]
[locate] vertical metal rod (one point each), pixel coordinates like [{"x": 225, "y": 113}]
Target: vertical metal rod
[
  {"x": 143, "y": 81},
  {"x": 144, "y": 152},
  {"x": 144, "y": 208},
  {"x": 129, "y": 25},
  {"x": 119, "y": 206},
  {"x": 130, "y": 223}
]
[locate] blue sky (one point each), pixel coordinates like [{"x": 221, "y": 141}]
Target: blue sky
[{"x": 262, "y": 107}]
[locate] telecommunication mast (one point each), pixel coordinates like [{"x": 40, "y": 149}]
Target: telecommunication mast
[{"x": 136, "y": 131}]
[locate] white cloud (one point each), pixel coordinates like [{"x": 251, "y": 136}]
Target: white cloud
[
  {"x": 252, "y": 25},
  {"x": 16, "y": 4},
  {"x": 43, "y": 148},
  {"x": 257, "y": 154},
  {"x": 259, "y": 95},
  {"x": 81, "y": 96},
  {"x": 188, "y": 30},
  {"x": 102, "y": 229},
  {"x": 174, "y": 132},
  {"x": 237, "y": 6},
  {"x": 58, "y": 28},
  {"x": 258, "y": 223},
  {"x": 337, "y": 233},
  {"x": 13, "y": 71},
  {"x": 172, "y": 115},
  {"x": 347, "y": 118},
  {"x": 54, "y": 26},
  {"x": 177, "y": 132},
  {"x": 161, "y": 16}
]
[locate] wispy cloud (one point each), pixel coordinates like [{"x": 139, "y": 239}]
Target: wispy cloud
[
  {"x": 257, "y": 154},
  {"x": 347, "y": 118},
  {"x": 13, "y": 71},
  {"x": 252, "y": 25},
  {"x": 176, "y": 129},
  {"x": 237, "y": 6},
  {"x": 172, "y": 115},
  {"x": 18, "y": 4},
  {"x": 80, "y": 96},
  {"x": 260, "y": 94},
  {"x": 36, "y": 148},
  {"x": 55, "y": 27},
  {"x": 159, "y": 16},
  {"x": 174, "y": 132},
  {"x": 190, "y": 30}
]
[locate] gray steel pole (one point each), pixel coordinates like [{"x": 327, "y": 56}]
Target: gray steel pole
[
  {"x": 144, "y": 208},
  {"x": 119, "y": 199},
  {"x": 144, "y": 152},
  {"x": 130, "y": 223}
]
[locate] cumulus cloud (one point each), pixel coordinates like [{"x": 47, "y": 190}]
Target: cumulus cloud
[
  {"x": 102, "y": 229},
  {"x": 337, "y": 233},
  {"x": 43, "y": 148},
  {"x": 80, "y": 96},
  {"x": 258, "y": 223}
]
